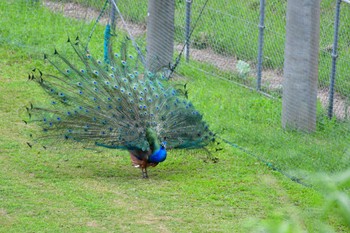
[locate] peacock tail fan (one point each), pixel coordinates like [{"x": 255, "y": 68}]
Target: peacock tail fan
[{"x": 113, "y": 105}]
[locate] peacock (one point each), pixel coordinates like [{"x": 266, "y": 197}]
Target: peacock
[{"x": 117, "y": 104}]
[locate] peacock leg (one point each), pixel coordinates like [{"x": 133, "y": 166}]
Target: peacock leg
[{"x": 144, "y": 173}]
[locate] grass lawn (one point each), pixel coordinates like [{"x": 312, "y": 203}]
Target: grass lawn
[{"x": 71, "y": 189}]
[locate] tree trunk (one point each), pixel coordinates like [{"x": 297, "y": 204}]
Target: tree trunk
[
  {"x": 160, "y": 34},
  {"x": 301, "y": 65}
]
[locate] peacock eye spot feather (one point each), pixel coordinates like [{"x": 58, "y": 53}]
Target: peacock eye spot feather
[
  {"x": 107, "y": 83},
  {"x": 82, "y": 71},
  {"x": 53, "y": 102}
]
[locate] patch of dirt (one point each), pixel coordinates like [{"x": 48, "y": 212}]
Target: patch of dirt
[
  {"x": 76, "y": 11},
  {"x": 271, "y": 79},
  {"x": 3, "y": 212},
  {"x": 92, "y": 224}
]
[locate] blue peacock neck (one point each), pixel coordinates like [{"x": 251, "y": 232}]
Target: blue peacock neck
[{"x": 159, "y": 152}]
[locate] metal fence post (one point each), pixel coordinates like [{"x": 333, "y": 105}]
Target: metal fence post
[
  {"x": 188, "y": 29},
  {"x": 261, "y": 44},
  {"x": 334, "y": 60},
  {"x": 113, "y": 17}
]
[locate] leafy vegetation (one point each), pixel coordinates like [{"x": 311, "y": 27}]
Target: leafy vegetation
[{"x": 69, "y": 188}]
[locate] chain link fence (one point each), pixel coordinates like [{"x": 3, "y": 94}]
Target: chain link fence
[
  {"x": 226, "y": 42},
  {"x": 228, "y": 38}
]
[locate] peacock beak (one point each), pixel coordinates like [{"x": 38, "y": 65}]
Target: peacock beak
[{"x": 163, "y": 145}]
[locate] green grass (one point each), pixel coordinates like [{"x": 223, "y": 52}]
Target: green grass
[{"x": 71, "y": 189}]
